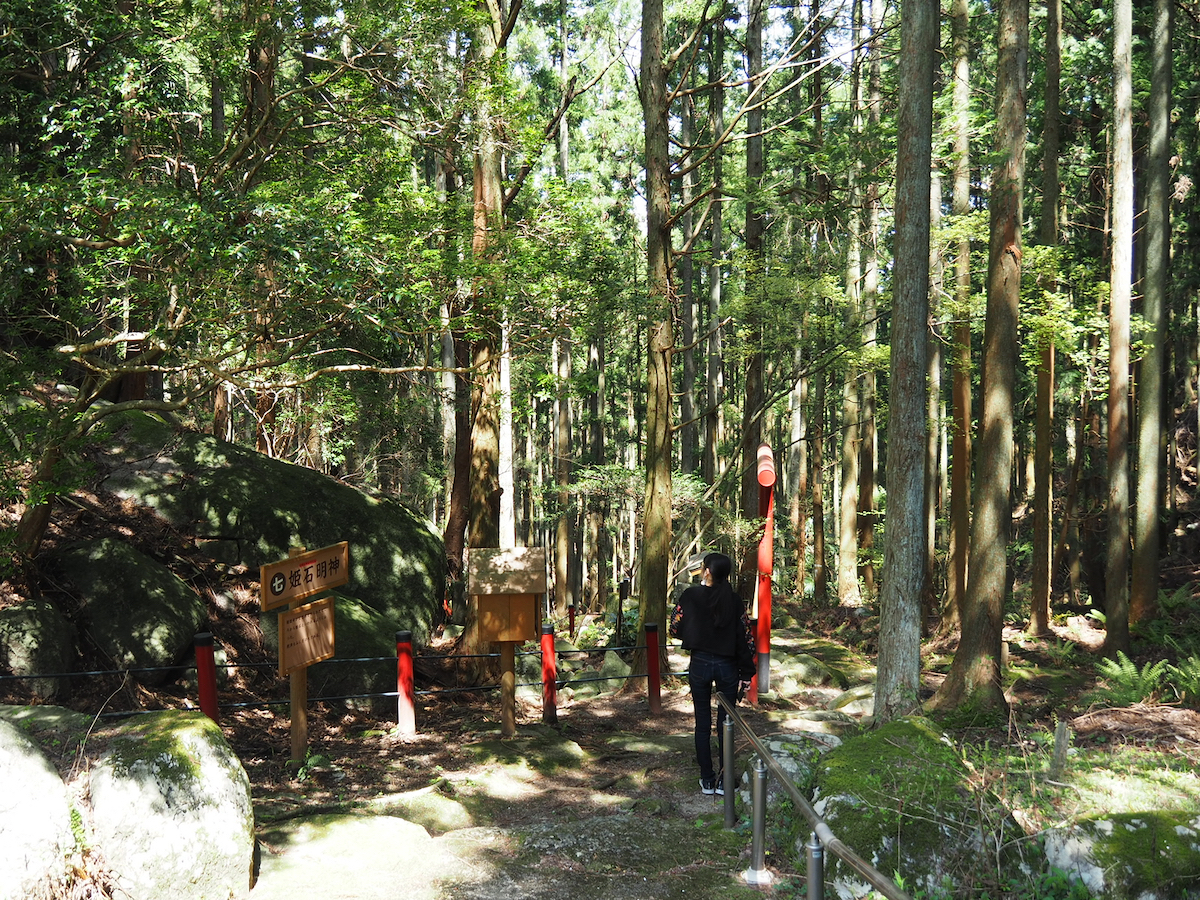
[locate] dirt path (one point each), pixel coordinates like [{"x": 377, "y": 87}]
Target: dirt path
[{"x": 604, "y": 805}]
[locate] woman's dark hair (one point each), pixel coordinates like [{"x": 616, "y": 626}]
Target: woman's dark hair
[
  {"x": 721, "y": 601},
  {"x": 719, "y": 565}
]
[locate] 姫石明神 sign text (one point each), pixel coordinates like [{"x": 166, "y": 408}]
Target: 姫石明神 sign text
[{"x": 304, "y": 575}]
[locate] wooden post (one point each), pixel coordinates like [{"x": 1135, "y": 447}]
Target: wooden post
[
  {"x": 508, "y": 688},
  {"x": 298, "y": 682},
  {"x": 298, "y": 694}
]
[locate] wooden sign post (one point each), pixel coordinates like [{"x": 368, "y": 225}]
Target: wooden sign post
[
  {"x": 305, "y": 630},
  {"x": 507, "y": 585}
]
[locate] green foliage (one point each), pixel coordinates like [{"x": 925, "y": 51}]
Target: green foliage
[
  {"x": 1185, "y": 680},
  {"x": 1124, "y": 684}
]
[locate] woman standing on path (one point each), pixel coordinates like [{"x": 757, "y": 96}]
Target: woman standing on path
[{"x": 710, "y": 620}]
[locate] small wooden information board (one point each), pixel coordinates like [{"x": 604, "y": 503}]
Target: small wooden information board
[
  {"x": 305, "y": 632},
  {"x": 305, "y": 635},
  {"x": 507, "y": 585},
  {"x": 304, "y": 575}
]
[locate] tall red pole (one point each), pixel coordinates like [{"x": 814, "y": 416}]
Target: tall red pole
[
  {"x": 766, "y": 563},
  {"x": 549, "y": 676},
  {"x": 406, "y": 709},
  {"x": 206, "y": 675},
  {"x": 653, "y": 677}
]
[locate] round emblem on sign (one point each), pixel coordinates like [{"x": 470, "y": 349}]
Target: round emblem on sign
[{"x": 278, "y": 583}]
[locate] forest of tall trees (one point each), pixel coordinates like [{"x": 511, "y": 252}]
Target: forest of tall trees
[{"x": 552, "y": 272}]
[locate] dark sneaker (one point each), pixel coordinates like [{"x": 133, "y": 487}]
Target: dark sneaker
[
  {"x": 720, "y": 787},
  {"x": 708, "y": 786}
]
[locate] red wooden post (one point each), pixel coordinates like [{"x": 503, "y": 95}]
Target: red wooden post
[
  {"x": 206, "y": 675},
  {"x": 654, "y": 680},
  {"x": 766, "y": 564},
  {"x": 406, "y": 711},
  {"x": 549, "y": 676}
]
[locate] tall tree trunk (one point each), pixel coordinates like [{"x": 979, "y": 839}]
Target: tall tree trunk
[
  {"x": 563, "y": 594},
  {"x": 960, "y": 482},
  {"x": 1116, "y": 570},
  {"x": 1043, "y": 491},
  {"x": 689, "y": 319},
  {"x": 1143, "y": 602},
  {"x": 974, "y": 676},
  {"x": 820, "y": 557},
  {"x": 848, "y": 589},
  {"x": 714, "y": 429},
  {"x": 868, "y": 436},
  {"x": 656, "y": 517},
  {"x": 899, "y": 669},
  {"x": 752, "y": 425}
]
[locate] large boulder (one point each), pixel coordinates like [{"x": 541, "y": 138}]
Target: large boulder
[
  {"x": 902, "y": 797},
  {"x": 156, "y": 807},
  {"x": 37, "y": 640},
  {"x": 1130, "y": 856},
  {"x": 171, "y": 811},
  {"x": 35, "y": 820},
  {"x": 249, "y": 509},
  {"x": 138, "y": 613}
]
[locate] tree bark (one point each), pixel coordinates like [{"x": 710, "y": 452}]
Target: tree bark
[
  {"x": 1043, "y": 489},
  {"x": 656, "y": 519},
  {"x": 960, "y": 475},
  {"x": 899, "y": 664},
  {"x": 1151, "y": 439},
  {"x": 974, "y": 676},
  {"x": 1116, "y": 569}
]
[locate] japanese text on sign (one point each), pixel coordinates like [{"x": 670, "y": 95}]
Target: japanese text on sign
[
  {"x": 305, "y": 635},
  {"x": 302, "y": 576}
]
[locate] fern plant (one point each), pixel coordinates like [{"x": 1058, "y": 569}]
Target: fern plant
[
  {"x": 1185, "y": 679},
  {"x": 1125, "y": 684}
]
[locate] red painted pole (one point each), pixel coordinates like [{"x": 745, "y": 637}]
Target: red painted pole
[
  {"x": 549, "y": 676},
  {"x": 766, "y": 563},
  {"x": 206, "y": 675},
  {"x": 406, "y": 710},
  {"x": 654, "y": 679}
]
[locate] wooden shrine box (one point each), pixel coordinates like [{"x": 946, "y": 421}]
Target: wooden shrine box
[{"x": 507, "y": 585}]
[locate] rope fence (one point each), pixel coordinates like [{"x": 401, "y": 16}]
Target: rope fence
[{"x": 405, "y": 694}]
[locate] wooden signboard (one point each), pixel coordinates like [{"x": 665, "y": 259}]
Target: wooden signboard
[
  {"x": 304, "y": 575},
  {"x": 507, "y": 585},
  {"x": 305, "y": 635},
  {"x": 514, "y": 570}
]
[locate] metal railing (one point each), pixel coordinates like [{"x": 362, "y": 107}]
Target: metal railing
[{"x": 821, "y": 838}]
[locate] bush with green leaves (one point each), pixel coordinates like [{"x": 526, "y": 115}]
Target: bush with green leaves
[
  {"x": 1185, "y": 680},
  {"x": 1124, "y": 684}
]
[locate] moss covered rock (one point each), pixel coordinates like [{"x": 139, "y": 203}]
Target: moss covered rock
[
  {"x": 1143, "y": 855},
  {"x": 171, "y": 811},
  {"x": 902, "y": 797}
]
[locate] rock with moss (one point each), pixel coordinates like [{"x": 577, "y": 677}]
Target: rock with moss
[
  {"x": 1131, "y": 856},
  {"x": 171, "y": 811},
  {"x": 137, "y": 612},
  {"x": 35, "y": 820},
  {"x": 249, "y": 509},
  {"x": 37, "y": 640},
  {"x": 902, "y": 797}
]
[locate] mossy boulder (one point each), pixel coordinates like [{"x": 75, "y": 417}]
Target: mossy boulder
[
  {"x": 157, "y": 806},
  {"x": 171, "y": 811},
  {"x": 247, "y": 509},
  {"x": 903, "y": 798},
  {"x": 37, "y": 639},
  {"x": 35, "y": 820},
  {"x": 137, "y": 612},
  {"x": 1142, "y": 855}
]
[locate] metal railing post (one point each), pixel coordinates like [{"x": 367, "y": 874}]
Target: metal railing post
[
  {"x": 727, "y": 773},
  {"x": 816, "y": 868},
  {"x": 758, "y": 873}
]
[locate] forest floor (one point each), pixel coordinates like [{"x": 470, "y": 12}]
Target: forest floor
[{"x": 589, "y": 794}]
